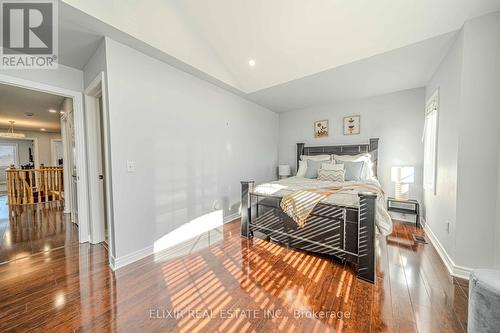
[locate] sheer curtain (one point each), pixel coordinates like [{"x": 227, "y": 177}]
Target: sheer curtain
[{"x": 429, "y": 139}]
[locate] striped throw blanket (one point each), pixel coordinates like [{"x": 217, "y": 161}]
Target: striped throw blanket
[{"x": 299, "y": 204}]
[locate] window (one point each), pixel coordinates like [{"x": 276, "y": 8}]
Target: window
[
  {"x": 8, "y": 154},
  {"x": 430, "y": 142}
]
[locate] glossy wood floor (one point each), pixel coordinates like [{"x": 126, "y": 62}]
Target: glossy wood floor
[
  {"x": 231, "y": 283},
  {"x": 32, "y": 229}
]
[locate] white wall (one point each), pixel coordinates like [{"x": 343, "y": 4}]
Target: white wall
[
  {"x": 478, "y": 143},
  {"x": 394, "y": 118},
  {"x": 95, "y": 65},
  {"x": 440, "y": 205},
  {"x": 191, "y": 142},
  {"x": 62, "y": 77},
  {"x": 468, "y": 150}
]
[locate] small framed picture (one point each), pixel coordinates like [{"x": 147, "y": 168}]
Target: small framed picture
[
  {"x": 321, "y": 128},
  {"x": 351, "y": 125}
]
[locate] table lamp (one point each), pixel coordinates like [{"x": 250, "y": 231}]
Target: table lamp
[
  {"x": 403, "y": 176},
  {"x": 284, "y": 171}
]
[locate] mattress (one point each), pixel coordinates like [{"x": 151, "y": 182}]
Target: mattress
[{"x": 286, "y": 186}]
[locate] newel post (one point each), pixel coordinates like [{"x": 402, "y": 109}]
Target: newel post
[{"x": 246, "y": 207}]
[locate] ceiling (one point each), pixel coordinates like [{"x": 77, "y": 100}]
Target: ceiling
[
  {"x": 15, "y": 102},
  {"x": 76, "y": 43},
  {"x": 404, "y": 68},
  {"x": 288, "y": 39}
]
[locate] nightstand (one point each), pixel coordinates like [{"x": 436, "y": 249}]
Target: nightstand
[{"x": 405, "y": 207}]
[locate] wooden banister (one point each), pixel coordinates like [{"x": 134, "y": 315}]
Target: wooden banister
[{"x": 30, "y": 186}]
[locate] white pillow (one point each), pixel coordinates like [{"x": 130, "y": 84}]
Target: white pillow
[
  {"x": 353, "y": 158},
  {"x": 332, "y": 167},
  {"x": 316, "y": 157},
  {"x": 367, "y": 171},
  {"x": 302, "y": 169}
]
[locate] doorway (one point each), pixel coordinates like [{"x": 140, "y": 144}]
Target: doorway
[
  {"x": 32, "y": 163},
  {"x": 80, "y": 155},
  {"x": 99, "y": 170},
  {"x": 57, "y": 151}
]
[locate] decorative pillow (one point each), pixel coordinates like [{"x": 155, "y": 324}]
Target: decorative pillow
[
  {"x": 353, "y": 170},
  {"x": 302, "y": 169},
  {"x": 331, "y": 166},
  {"x": 312, "y": 168},
  {"x": 331, "y": 175},
  {"x": 367, "y": 171}
]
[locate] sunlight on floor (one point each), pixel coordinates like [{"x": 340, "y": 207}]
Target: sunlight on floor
[{"x": 191, "y": 235}]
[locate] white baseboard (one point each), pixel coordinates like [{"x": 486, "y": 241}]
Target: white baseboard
[
  {"x": 231, "y": 218},
  {"x": 454, "y": 269},
  {"x": 116, "y": 263}
]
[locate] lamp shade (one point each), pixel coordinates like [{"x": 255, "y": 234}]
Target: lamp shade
[
  {"x": 284, "y": 170},
  {"x": 403, "y": 174}
]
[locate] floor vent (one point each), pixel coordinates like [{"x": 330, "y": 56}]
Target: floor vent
[{"x": 419, "y": 239}]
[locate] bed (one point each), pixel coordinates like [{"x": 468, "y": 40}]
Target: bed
[{"x": 343, "y": 225}]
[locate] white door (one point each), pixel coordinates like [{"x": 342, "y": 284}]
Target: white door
[
  {"x": 101, "y": 168},
  {"x": 69, "y": 159},
  {"x": 57, "y": 152}
]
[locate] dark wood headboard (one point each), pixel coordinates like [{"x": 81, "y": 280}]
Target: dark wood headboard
[{"x": 370, "y": 147}]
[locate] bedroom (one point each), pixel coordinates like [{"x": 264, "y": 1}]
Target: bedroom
[{"x": 199, "y": 97}]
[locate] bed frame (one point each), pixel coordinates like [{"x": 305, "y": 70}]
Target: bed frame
[{"x": 343, "y": 232}]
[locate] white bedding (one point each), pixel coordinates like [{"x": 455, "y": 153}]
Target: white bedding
[{"x": 288, "y": 185}]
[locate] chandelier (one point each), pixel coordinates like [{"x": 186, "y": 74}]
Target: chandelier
[{"x": 10, "y": 133}]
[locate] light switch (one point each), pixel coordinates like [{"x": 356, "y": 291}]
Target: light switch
[{"x": 130, "y": 166}]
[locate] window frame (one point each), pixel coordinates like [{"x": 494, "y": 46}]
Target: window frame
[
  {"x": 431, "y": 106},
  {"x": 16, "y": 153}
]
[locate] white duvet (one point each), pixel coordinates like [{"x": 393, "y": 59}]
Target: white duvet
[{"x": 286, "y": 186}]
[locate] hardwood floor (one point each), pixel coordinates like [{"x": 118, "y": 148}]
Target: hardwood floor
[
  {"x": 231, "y": 284},
  {"x": 33, "y": 229}
]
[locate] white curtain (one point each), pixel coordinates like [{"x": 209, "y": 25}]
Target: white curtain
[{"x": 430, "y": 146}]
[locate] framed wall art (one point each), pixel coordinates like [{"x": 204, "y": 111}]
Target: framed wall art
[
  {"x": 351, "y": 125},
  {"x": 321, "y": 128}
]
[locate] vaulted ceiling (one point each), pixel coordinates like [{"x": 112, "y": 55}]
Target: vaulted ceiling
[{"x": 287, "y": 39}]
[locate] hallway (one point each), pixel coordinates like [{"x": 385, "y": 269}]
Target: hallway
[{"x": 33, "y": 229}]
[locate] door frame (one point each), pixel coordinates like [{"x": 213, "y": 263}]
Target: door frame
[
  {"x": 67, "y": 167},
  {"x": 80, "y": 144},
  {"x": 96, "y": 89},
  {"x": 52, "y": 150}
]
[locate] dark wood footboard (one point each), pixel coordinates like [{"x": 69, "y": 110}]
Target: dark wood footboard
[{"x": 344, "y": 232}]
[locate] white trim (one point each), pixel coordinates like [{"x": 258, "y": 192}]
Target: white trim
[
  {"x": 83, "y": 208},
  {"x": 52, "y": 150},
  {"x": 231, "y": 218},
  {"x": 454, "y": 269},
  {"x": 116, "y": 263},
  {"x": 67, "y": 167},
  {"x": 97, "y": 88}
]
